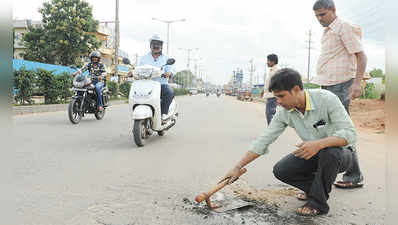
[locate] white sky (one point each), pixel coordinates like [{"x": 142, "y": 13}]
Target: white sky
[{"x": 230, "y": 33}]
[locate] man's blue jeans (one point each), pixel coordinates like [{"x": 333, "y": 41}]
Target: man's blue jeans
[
  {"x": 342, "y": 91},
  {"x": 166, "y": 96},
  {"x": 98, "y": 89}
]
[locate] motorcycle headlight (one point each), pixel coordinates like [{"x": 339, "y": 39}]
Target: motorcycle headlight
[{"x": 78, "y": 84}]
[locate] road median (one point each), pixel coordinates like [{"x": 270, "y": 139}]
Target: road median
[{"x": 29, "y": 109}]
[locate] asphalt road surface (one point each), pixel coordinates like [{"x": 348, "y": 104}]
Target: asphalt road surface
[{"x": 92, "y": 173}]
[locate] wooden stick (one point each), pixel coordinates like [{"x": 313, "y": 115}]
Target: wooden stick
[{"x": 201, "y": 197}]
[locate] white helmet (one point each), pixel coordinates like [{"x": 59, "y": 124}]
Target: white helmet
[{"x": 155, "y": 37}]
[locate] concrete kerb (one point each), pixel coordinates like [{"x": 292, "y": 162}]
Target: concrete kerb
[{"x": 28, "y": 109}]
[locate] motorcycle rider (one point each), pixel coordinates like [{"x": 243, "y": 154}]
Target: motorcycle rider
[
  {"x": 156, "y": 58},
  {"x": 97, "y": 72}
]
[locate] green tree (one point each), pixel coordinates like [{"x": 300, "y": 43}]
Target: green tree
[
  {"x": 64, "y": 84},
  {"x": 47, "y": 84},
  {"x": 67, "y": 32},
  {"x": 23, "y": 83},
  {"x": 125, "y": 88},
  {"x": 184, "y": 78},
  {"x": 37, "y": 49},
  {"x": 377, "y": 73}
]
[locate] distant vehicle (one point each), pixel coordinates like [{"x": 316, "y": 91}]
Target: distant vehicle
[
  {"x": 228, "y": 92},
  {"x": 193, "y": 91},
  {"x": 245, "y": 95},
  {"x": 235, "y": 92}
]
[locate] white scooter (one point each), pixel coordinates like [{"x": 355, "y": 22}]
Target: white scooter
[{"x": 144, "y": 104}]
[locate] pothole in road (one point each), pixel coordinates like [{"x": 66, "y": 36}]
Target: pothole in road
[{"x": 259, "y": 213}]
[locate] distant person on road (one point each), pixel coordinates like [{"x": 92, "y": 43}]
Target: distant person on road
[
  {"x": 328, "y": 136},
  {"x": 340, "y": 69},
  {"x": 270, "y": 106}
]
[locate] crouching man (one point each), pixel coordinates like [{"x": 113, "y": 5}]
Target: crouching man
[{"x": 327, "y": 132}]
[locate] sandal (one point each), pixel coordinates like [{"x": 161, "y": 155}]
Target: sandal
[
  {"x": 348, "y": 185},
  {"x": 302, "y": 196},
  {"x": 307, "y": 210}
]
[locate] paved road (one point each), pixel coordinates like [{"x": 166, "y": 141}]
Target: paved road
[{"x": 92, "y": 173}]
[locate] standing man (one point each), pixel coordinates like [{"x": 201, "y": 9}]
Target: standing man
[
  {"x": 327, "y": 134},
  {"x": 340, "y": 68},
  {"x": 270, "y": 106}
]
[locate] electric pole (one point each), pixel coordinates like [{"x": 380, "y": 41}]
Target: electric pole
[
  {"x": 252, "y": 69},
  {"x": 265, "y": 77},
  {"x": 117, "y": 40},
  {"x": 136, "y": 59},
  {"x": 309, "y": 55},
  {"x": 189, "y": 50}
]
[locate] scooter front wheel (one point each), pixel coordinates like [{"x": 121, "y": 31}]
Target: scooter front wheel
[{"x": 139, "y": 132}]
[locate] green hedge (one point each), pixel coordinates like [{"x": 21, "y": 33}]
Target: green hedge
[
  {"x": 113, "y": 88},
  {"x": 54, "y": 88},
  {"x": 180, "y": 91},
  {"x": 370, "y": 92},
  {"x": 125, "y": 89},
  {"x": 23, "y": 82}
]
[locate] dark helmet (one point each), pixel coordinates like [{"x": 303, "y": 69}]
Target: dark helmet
[{"x": 95, "y": 54}]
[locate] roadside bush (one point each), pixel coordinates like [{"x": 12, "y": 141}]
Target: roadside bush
[
  {"x": 23, "y": 82},
  {"x": 370, "y": 92},
  {"x": 311, "y": 86},
  {"x": 64, "y": 84},
  {"x": 125, "y": 88},
  {"x": 180, "y": 91},
  {"x": 47, "y": 83},
  {"x": 113, "y": 88}
]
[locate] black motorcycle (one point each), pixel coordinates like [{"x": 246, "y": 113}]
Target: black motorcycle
[{"x": 85, "y": 99}]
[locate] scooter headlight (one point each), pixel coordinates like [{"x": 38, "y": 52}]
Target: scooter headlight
[{"x": 141, "y": 94}]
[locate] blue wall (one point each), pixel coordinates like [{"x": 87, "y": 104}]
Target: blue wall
[{"x": 30, "y": 65}]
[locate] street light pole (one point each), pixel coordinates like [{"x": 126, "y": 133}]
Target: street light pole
[
  {"x": 168, "y": 29},
  {"x": 168, "y": 38},
  {"x": 117, "y": 40}
]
